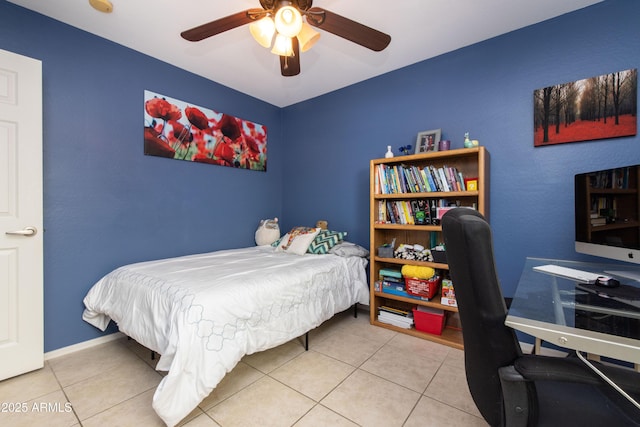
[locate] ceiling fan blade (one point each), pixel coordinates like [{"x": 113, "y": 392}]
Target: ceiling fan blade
[
  {"x": 348, "y": 29},
  {"x": 219, "y": 26},
  {"x": 290, "y": 65}
]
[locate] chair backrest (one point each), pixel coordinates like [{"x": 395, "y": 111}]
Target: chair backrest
[{"x": 488, "y": 343}]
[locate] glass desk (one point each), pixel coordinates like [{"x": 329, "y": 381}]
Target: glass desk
[{"x": 587, "y": 318}]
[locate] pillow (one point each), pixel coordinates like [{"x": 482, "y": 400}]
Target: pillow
[
  {"x": 297, "y": 240},
  {"x": 325, "y": 240},
  {"x": 349, "y": 249}
]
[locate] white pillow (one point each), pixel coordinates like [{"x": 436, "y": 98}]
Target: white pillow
[
  {"x": 297, "y": 240},
  {"x": 347, "y": 249}
]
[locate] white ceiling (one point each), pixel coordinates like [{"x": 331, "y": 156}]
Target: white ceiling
[{"x": 419, "y": 29}]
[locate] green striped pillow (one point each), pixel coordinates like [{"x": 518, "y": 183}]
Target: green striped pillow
[{"x": 325, "y": 240}]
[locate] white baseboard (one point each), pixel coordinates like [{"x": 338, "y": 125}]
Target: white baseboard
[{"x": 82, "y": 345}]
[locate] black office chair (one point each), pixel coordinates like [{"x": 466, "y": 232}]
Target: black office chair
[{"x": 509, "y": 388}]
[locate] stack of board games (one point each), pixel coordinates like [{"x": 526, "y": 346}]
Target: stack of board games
[{"x": 393, "y": 316}]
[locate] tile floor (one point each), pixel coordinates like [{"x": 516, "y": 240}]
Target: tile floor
[{"x": 354, "y": 374}]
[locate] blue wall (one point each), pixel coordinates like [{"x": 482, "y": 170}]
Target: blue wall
[
  {"x": 106, "y": 204},
  {"x": 485, "y": 89}
]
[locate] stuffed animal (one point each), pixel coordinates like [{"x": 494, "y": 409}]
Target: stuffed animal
[{"x": 268, "y": 232}]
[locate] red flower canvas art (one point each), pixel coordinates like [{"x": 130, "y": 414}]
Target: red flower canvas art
[{"x": 178, "y": 130}]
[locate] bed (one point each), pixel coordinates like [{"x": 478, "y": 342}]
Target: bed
[{"x": 203, "y": 313}]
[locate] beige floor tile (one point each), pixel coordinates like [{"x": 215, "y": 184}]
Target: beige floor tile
[
  {"x": 455, "y": 358},
  {"x": 425, "y": 348},
  {"x": 84, "y": 364},
  {"x": 111, "y": 387},
  {"x": 406, "y": 368},
  {"x": 201, "y": 421},
  {"x": 337, "y": 322},
  {"x": 371, "y": 401},
  {"x": 136, "y": 411},
  {"x": 313, "y": 374},
  {"x": 268, "y": 360},
  {"x": 431, "y": 413},
  {"x": 264, "y": 403},
  {"x": 362, "y": 327},
  {"x": 347, "y": 347},
  {"x": 142, "y": 352},
  {"x": 320, "y": 416},
  {"x": 240, "y": 377},
  {"x": 449, "y": 386},
  {"x": 51, "y": 410},
  {"x": 29, "y": 386}
]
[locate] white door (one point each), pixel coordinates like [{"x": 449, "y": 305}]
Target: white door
[{"x": 21, "y": 275}]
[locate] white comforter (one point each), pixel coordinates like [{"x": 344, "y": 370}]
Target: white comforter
[{"x": 204, "y": 312}]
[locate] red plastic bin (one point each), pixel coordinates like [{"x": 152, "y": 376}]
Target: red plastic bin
[
  {"x": 430, "y": 320},
  {"x": 425, "y": 289}
]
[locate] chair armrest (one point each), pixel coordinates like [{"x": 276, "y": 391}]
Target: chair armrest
[
  {"x": 570, "y": 369},
  {"x": 518, "y": 397}
]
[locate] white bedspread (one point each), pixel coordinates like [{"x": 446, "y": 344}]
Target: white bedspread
[{"x": 204, "y": 312}]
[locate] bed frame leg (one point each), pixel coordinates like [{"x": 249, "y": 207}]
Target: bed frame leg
[
  {"x": 306, "y": 341},
  {"x": 355, "y": 310}
]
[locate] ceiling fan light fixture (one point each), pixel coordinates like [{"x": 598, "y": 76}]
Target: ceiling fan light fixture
[
  {"x": 263, "y": 31},
  {"x": 282, "y": 46},
  {"x": 288, "y": 21},
  {"x": 307, "y": 37},
  {"x": 104, "y": 6}
]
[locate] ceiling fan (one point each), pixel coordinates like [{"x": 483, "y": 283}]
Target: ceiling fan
[{"x": 280, "y": 24}]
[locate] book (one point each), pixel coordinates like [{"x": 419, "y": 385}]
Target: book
[
  {"x": 394, "y": 323},
  {"x": 393, "y": 310},
  {"x": 386, "y": 283},
  {"x": 400, "y": 186},
  {"x": 443, "y": 179},
  {"x": 392, "y": 282},
  {"x": 389, "y": 272},
  {"x": 425, "y": 180},
  {"x": 396, "y": 318},
  {"x": 421, "y": 214}
]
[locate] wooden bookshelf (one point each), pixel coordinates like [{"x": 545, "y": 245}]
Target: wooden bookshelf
[{"x": 471, "y": 163}]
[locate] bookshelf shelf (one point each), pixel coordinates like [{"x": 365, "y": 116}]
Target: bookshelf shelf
[
  {"x": 471, "y": 163},
  {"x": 429, "y": 194}
]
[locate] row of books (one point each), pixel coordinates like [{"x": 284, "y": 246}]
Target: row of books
[
  {"x": 611, "y": 178},
  {"x": 603, "y": 210},
  {"x": 412, "y": 212},
  {"x": 395, "y": 179}
]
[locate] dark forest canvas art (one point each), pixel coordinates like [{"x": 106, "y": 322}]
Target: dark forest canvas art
[{"x": 595, "y": 108}]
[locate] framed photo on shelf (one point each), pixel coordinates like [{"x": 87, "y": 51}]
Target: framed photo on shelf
[{"x": 428, "y": 140}]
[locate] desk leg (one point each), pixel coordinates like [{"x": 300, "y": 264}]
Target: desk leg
[
  {"x": 537, "y": 346},
  {"x": 559, "y": 312},
  {"x": 595, "y": 357}
]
